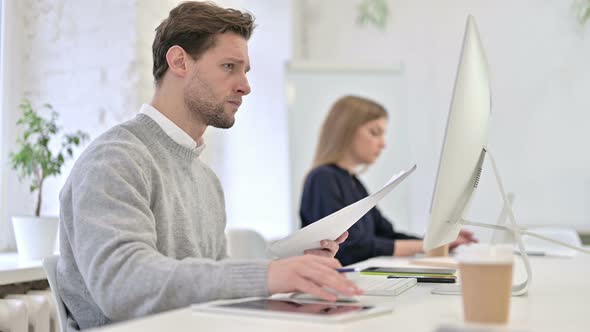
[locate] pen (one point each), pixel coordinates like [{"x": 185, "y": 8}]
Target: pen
[
  {"x": 531, "y": 253},
  {"x": 348, "y": 269},
  {"x": 428, "y": 279}
]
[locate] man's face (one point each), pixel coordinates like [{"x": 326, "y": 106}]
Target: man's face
[{"x": 218, "y": 82}]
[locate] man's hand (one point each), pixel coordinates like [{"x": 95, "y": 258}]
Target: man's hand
[
  {"x": 465, "y": 237},
  {"x": 329, "y": 247},
  {"x": 309, "y": 274}
]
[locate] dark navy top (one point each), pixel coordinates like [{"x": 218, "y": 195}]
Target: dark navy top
[{"x": 329, "y": 188}]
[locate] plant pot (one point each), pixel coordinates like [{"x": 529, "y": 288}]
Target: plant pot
[{"x": 35, "y": 236}]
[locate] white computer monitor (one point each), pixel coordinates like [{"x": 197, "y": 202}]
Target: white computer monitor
[
  {"x": 461, "y": 160},
  {"x": 465, "y": 139}
]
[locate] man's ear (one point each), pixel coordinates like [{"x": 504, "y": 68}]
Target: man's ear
[{"x": 177, "y": 59}]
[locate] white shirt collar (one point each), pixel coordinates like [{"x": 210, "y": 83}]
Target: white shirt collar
[{"x": 169, "y": 127}]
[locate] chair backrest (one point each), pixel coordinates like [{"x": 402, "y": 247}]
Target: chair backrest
[
  {"x": 246, "y": 244},
  {"x": 50, "y": 265}
]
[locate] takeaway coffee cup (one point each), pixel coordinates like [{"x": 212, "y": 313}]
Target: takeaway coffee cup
[{"x": 486, "y": 282}]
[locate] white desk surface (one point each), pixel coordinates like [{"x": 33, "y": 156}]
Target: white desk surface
[
  {"x": 14, "y": 271},
  {"x": 557, "y": 301}
]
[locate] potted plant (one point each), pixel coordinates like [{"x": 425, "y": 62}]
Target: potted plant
[{"x": 35, "y": 161}]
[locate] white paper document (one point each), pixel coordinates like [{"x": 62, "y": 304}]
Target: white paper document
[
  {"x": 332, "y": 226},
  {"x": 539, "y": 247}
]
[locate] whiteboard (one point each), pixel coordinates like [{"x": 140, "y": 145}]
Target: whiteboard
[{"x": 311, "y": 89}]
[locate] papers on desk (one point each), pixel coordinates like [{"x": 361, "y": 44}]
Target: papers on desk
[
  {"x": 539, "y": 247},
  {"x": 475, "y": 328},
  {"x": 332, "y": 226}
]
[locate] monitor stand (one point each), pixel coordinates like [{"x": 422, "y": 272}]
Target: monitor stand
[
  {"x": 504, "y": 237},
  {"x": 516, "y": 232}
]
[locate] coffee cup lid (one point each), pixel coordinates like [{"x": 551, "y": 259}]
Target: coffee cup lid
[{"x": 486, "y": 254}]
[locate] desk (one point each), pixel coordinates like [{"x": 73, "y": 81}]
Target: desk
[
  {"x": 557, "y": 301},
  {"x": 14, "y": 271}
]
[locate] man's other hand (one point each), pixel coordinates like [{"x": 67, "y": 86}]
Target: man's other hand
[
  {"x": 309, "y": 274},
  {"x": 329, "y": 248}
]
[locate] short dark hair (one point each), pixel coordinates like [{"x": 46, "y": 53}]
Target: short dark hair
[{"x": 193, "y": 25}]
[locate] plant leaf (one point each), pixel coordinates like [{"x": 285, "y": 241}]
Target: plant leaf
[{"x": 33, "y": 160}]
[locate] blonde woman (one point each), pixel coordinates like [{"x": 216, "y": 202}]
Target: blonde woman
[{"x": 352, "y": 137}]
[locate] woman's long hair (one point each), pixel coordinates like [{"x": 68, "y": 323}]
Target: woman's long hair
[{"x": 345, "y": 117}]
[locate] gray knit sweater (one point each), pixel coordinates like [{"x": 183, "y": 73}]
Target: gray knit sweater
[{"x": 142, "y": 230}]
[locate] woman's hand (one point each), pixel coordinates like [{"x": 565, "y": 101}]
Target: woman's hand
[{"x": 465, "y": 237}]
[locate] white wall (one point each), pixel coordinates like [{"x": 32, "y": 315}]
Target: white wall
[
  {"x": 252, "y": 158},
  {"x": 538, "y": 56},
  {"x": 11, "y": 36},
  {"x": 66, "y": 54}
]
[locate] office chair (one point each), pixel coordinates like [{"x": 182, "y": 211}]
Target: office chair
[
  {"x": 246, "y": 244},
  {"x": 50, "y": 265}
]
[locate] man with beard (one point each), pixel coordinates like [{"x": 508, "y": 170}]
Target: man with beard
[{"x": 143, "y": 218}]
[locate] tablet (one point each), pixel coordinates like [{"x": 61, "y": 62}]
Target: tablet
[
  {"x": 288, "y": 308},
  {"x": 332, "y": 226}
]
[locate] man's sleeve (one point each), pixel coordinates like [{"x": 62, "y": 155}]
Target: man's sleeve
[{"x": 113, "y": 238}]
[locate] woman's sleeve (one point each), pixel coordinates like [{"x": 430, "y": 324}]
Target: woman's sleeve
[
  {"x": 384, "y": 228},
  {"x": 322, "y": 195}
]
